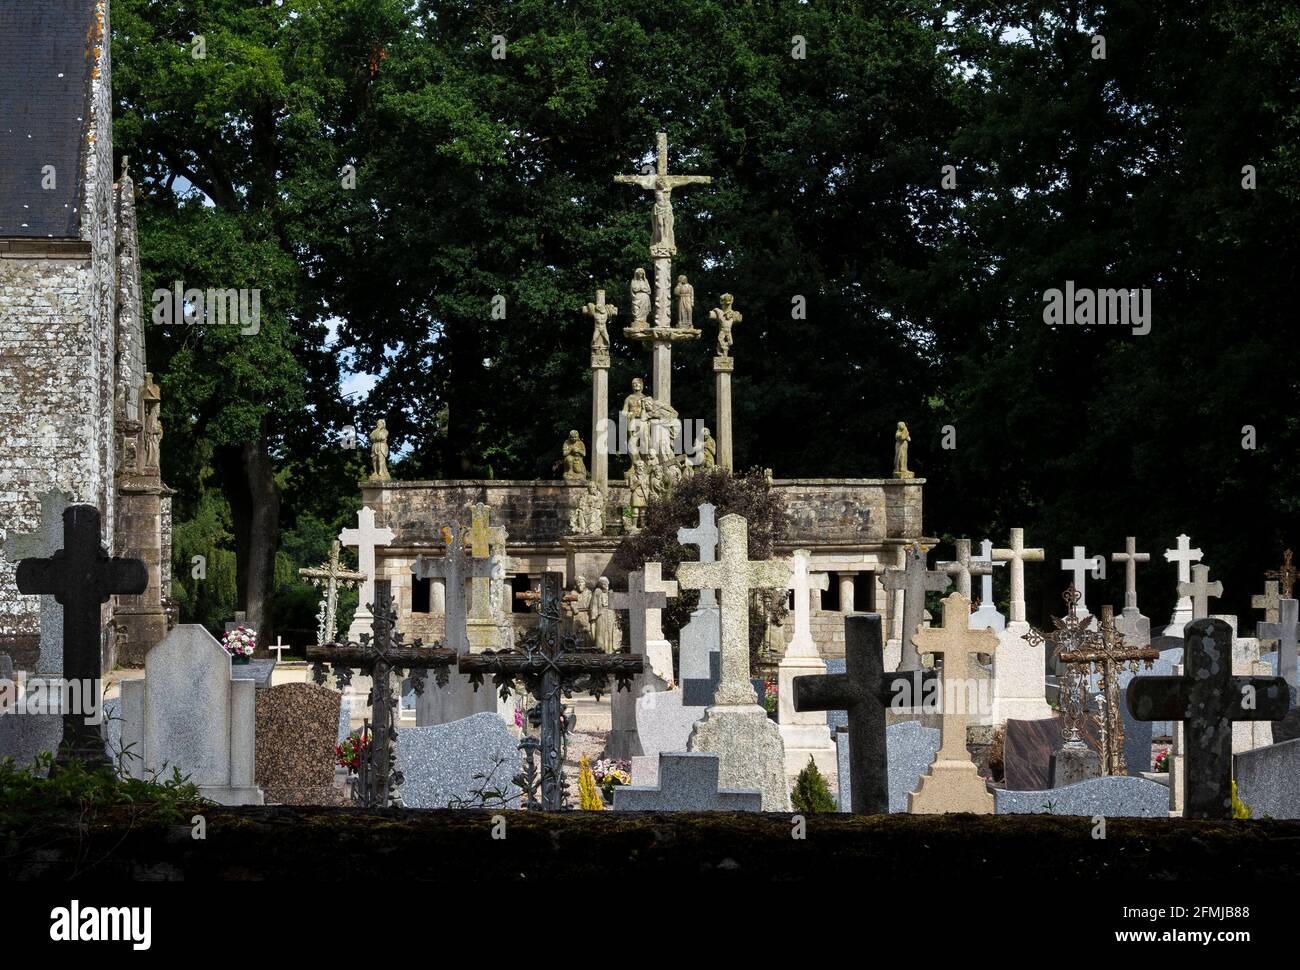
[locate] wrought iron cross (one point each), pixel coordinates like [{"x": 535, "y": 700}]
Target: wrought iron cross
[
  {"x": 550, "y": 666},
  {"x": 81, "y": 577},
  {"x": 1073, "y": 634},
  {"x": 381, "y": 655},
  {"x": 1286, "y": 576}
]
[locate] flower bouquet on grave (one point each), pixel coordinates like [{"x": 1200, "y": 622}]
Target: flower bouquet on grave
[
  {"x": 352, "y": 750},
  {"x": 771, "y": 697},
  {"x": 1162, "y": 761},
  {"x": 609, "y": 774},
  {"x": 240, "y": 644}
]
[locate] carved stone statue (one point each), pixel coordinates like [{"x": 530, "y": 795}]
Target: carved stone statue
[
  {"x": 706, "y": 450},
  {"x": 726, "y": 317},
  {"x": 151, "y": 423},
  {"x": 685, "y": 304},
  {"x": 639, "y": 487},
  {"x": 578, "y": 611},
  {"x": 640, "y": 290},
  {"x": 661, "y": 220},
  {"x": 605, "y": 632},
  {"x": 774, "y": 631},
  {"x": 588, "y": 516},
  {"x": 575, "y": 453},
  {"x": 901, "y": 439},
  {"x": 379, "y": 452},
  {"x": 637, "y": 420},
  {"x": 600, "y": 312}
]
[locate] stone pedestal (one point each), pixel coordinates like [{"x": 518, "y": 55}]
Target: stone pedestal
[
  {"x": 141, "y": 621},
  {"x": 1071, "y": 765},
  {"x": 805, "y": 733},
  {"x": 722, "y": 368},
  {"x": 660, "y": 339},
  {"x": 590, "y": 556},
  {"x": 748, "y": 744},
  {"x": 1019, "y": 678}
]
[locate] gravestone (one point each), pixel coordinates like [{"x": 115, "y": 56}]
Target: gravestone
[
  {"x": 189, "y": 713},
  {"x": 1132, "y": 625},
  {"x": 1137, "y": 738},
  {"x": 365, "y": 538},
  {"x": 805, "y": 733},
  {"x": 1183, "y": 555},
  {"x": 297, "y": 728},
  {"x": 647, "y": 594},
  {"x": 987, "y": 616},
  {"x": 1116, "y": 796},
  {"x": 910, "y": 748},
  {"x": 700, "y": 641},
  {"x": 345, "y": 718},
  {"x": 1268, "y": 780},
  {"x": 688, "y": 782},
  {"x": 663, "y": 725},
  {"x": 440, "y": 762},
  {"x": 1027, "y": 751},
  {"x": 1019, "y": 667},
  {"x": 913, "y": 580}
]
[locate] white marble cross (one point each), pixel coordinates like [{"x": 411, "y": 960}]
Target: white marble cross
[
  {"x": 1080, "y": 565},
  {"x": 1018, "y": 555},
  {"x": 279, "y": 648},
  {"x": 331, "y": 576},
  {"x": 1130, "y": 557},
  {"x": 734, "y": 575},
  {"x": 987, "y": 615},
  {"x": 705, "y": 537},
  {"x": 1200, "y": 590},
  {"x": 1184, "y": 555},
  {"x": 963, "y": 567},
  {"x": 803, "y": 583},
  {"x": 365, "y": 538},
  {"x": 1284, "y": 632}
]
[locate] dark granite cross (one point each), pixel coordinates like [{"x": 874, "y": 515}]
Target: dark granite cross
[
  {"x": 1208, "y": 698},
  {"x": 81, "y": 577},
  {"x": 550, "y": 666},
  {"x": 866, "y": 691},
  {"x": 381, "y": 654}
]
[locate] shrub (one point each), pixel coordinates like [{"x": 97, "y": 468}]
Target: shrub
[{"x": 811, "y": 793}]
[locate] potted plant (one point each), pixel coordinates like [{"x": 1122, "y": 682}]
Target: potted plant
[{"x": 240, "y": 644}]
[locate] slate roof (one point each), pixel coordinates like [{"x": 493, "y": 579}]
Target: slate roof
[{"x": 46, "y": 58}]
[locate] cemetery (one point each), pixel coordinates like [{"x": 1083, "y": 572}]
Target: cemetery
[{"x": 486, "y": 533}]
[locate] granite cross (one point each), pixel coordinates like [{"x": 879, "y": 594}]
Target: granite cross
[
  {"x": 1268, "y": 602},
  {"x": 453, "y": 567},
  {"x": 485, "y": 542},
  {"x": 1200, "y": 590},
  {"x": 1287, "y": 575},
  {"x": 1130, "y": 557},
  {"x": 1018, "y": 555},
  {"x": 365, "y": 537},
  {"x": 81, "y": 577},
  {"x": 915, "y": 580},
  {"x": 646, "y": 590},
  {"x": 734, "y": 576},
  {"x": 1284, "y": 632},
  {"x": 549, "y": 670},
  {"x": 688, "y": 782},
  {"x": 331, "y": 575},
  {"x": 866, "y": 692},
  {"x": 1208, "y": 698},
  {"x": 955, "y": 642},
  {"x": 803, "y": 582},
  {"x": 1080, "y": 565},
  {"x": 705, "y": 537},
  {"x": 381, "y": 654},
  {"x": 963, "y": 567}
]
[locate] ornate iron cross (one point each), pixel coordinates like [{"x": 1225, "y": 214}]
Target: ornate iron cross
[
  {"x": 380, "y": 656},
  {"x": 1072, "y": 635},
  {"x": 550, "y": 666}
]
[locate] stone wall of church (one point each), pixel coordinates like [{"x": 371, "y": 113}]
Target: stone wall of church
[{"x": 57, "y": 346}]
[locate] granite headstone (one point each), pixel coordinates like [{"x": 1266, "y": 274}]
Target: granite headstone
[
  {"x": 1118, "y": 796},
  {"x": 688, "y": 782},
  {"x": 440, "y": 762},
  {"x": 297, "y": 725},
  {"x": 1268, "y": 780},
  {"x": 910, "y": 749}
]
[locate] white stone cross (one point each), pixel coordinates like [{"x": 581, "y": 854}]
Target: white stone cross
[
  {"x": 365, "y": 538},
  {"x": 331, "y": 576},
  {"x": 485, "y": 541},
  {"x": 1184, "y": 555},
  {"x": 1080, "y": 565},
  {"x": 987, "y": 615},
  {"x": 1018, "y": 555},
  {"x": 734, "y": 576},
  {"x": 963, "y": 567},
  {"x": 1130, "y": 557},
  {"x": 705, "y": 537},
  {"x": 1284, "y": 632},
  {"x": 279, "y": 648},
  {"x": 803, "y": 583},
  {"x": 1200, "y": 590}
]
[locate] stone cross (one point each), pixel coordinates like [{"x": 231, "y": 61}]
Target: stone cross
[
  {"x": 365, "y": 537},
  {"x": 1284, "y": 632},
  {"x": 1018, "y": 555},
  {"x": 688, "y": 782},
  {"x": 803, "y": 583},
  {"x": 485, "y": 542},
  {"x": 1080, "y": 565},
  {"x": 646, "y": 591},
  {"x": 1200, "y": 590},
  {"x": 1130, "y": 557},
  {"x": 1183, "y": 556},
  {"x": 81, "y": 577},
  {"x": 453, "y": 567},
  {"x": 987, "y": 614},
  {"x": 866, "y": 692},
  {"x": 241, "y": 619},
  {"x": 1208, "y": 698},
  {"x": 953, "y": 783},
  {"x": 279, "y": 648},
  {"x": 705, "y": 537},
  {"x": 1286, "y": 576},
  {"x": 1268, "y": 602},
  {"x": 915, "y": 580},
  {"x": 734, "y": 576},
  {"x": 963, "y": 567},
  {"x": 331, "y": 576}
]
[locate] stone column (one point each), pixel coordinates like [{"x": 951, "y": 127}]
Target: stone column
[
  {"x": 722, "y": 368},
  {"x": 600, "y": 419},
  {"x": 846, "y": 592},
  {"x": 661, "y": 371}
]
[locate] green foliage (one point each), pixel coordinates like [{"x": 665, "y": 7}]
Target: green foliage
[
  {"x": 748, "y": 495},
  {"x": 1239, "y": 808},
  {"x": 811, "y": 793},
  {"x": 209, "y": 600}
]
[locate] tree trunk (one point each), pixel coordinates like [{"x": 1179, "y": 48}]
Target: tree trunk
[{"x": 255, "y": 512}]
